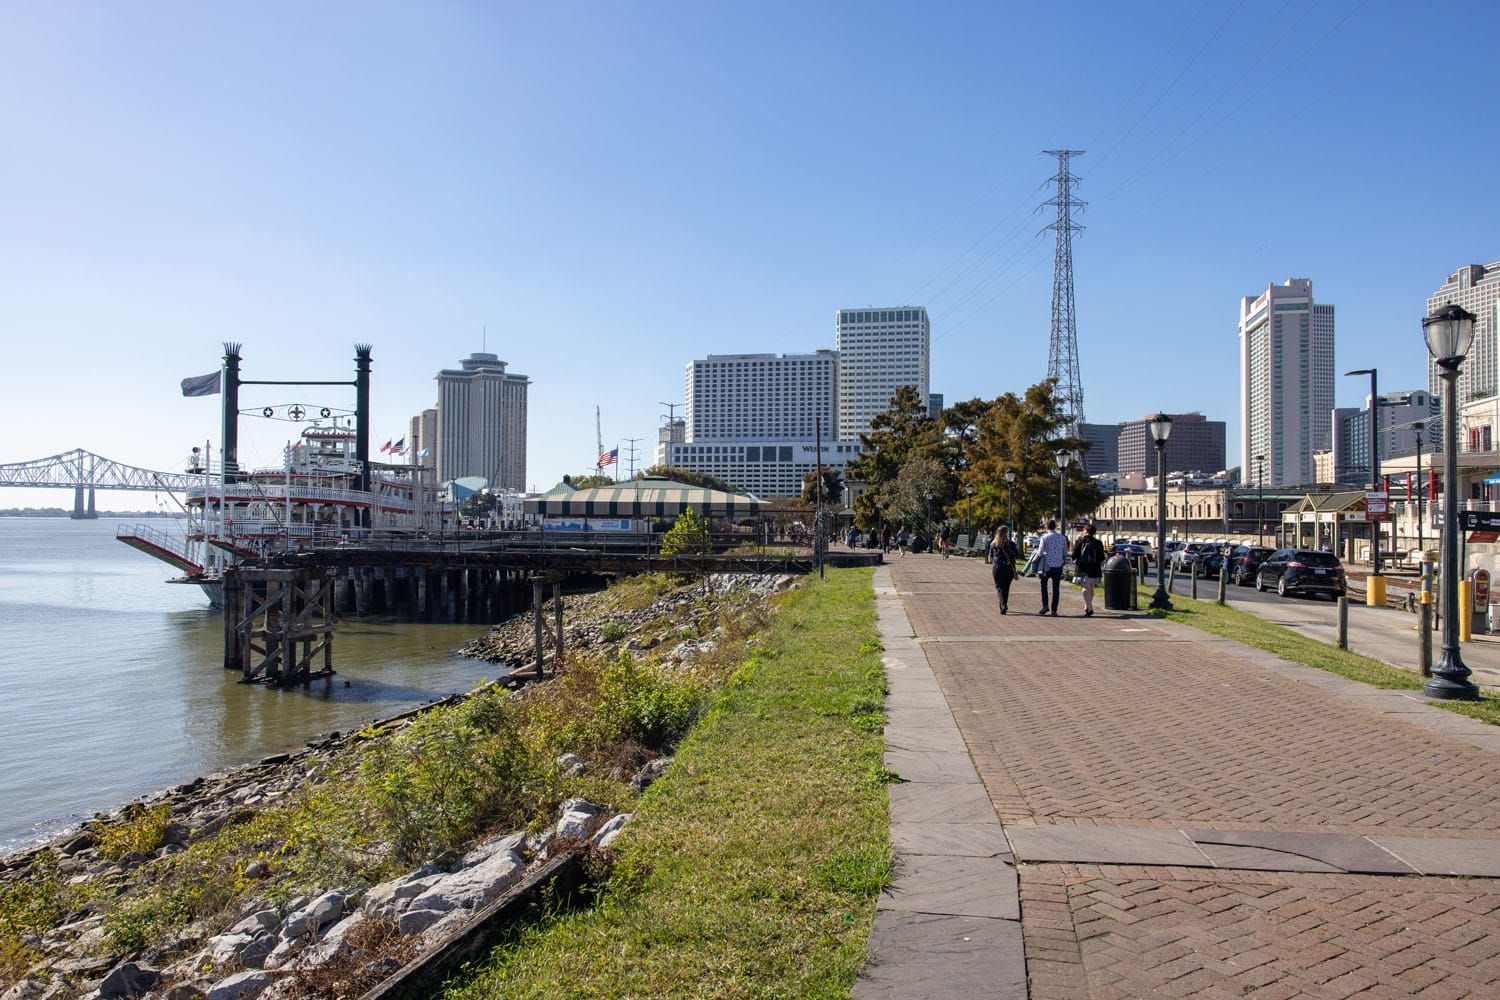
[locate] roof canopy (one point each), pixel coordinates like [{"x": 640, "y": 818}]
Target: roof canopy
[{"x": 645, "y": 498}]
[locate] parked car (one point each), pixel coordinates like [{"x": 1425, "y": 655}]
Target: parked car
[
  {"x": 1301, "y": 571},
  {"x": 1188, "y": 553},
  {"x": 1209, "y": 562},
  {"x": 1245, "y": 560}
]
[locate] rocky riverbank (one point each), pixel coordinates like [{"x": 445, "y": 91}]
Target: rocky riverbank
[{"x": 320, "y": 872}]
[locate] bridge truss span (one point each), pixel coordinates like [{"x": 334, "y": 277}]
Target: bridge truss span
[{"x": 79, "y": 469}]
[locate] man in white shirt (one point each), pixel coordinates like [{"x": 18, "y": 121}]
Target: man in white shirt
[{"x": 1054, "y": 553}]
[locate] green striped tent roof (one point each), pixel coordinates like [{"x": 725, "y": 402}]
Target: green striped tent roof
[{"x": 646, "y": 498}]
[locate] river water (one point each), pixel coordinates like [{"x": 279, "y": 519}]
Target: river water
[{"x": 112, "y": 684}]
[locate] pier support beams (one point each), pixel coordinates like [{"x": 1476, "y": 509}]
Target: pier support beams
[{"x": 278, "y": 623}]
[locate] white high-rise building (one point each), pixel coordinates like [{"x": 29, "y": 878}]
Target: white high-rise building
[
  {"x": 880, "y": 350},
  {"x": 761, "y": 397},
  {"x": 1286, "y": 381},
  {"x": 1476, "y": 287},
  {"x": 481, "y": 424}
]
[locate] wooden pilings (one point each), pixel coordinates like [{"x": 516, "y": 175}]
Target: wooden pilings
[{"x": 277, "y": 622}]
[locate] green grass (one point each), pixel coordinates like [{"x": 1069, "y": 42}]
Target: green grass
[
  {"x": 752, "y": 868},
  {"x": 1242, "y": 626}
]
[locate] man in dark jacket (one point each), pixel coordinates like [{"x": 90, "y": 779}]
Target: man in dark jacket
[{"x": 1088, "y": 558}]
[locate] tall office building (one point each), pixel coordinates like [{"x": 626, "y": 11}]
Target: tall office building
[
  {"x": 421, "y": 436},
  {"x": 761, "y": 397},
  {"x": 1196, "y": 444},
  {"x": 879, "y": 350},
  {"x": 1476, "y": 287},
  {"x": 1398, "y": 411},
  {"x": 481, "y": 424},
  {"x": 1103, "y": 452},
  {"x": 1286, "y": 381}
]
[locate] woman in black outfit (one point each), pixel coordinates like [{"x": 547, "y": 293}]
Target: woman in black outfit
[{"x": 1003, "y": 556}]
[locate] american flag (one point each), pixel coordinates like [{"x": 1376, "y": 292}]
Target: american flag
[{"x": 609, "y": 457}]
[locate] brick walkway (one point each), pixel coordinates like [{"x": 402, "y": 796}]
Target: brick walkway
[{"x": 1131, "y": 728}]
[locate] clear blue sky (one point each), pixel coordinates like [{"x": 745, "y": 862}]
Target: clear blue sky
[{"x": 615, "y": 189}]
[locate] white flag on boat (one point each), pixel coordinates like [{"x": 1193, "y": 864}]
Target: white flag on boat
[{"x": 201, "y": 385}]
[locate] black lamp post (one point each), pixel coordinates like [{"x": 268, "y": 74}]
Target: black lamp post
[
  {"x": 1374, "y": 463},
  {"x": 1161, "y": 429},
  {"x": 1260, "y": 502},
  {"x": 1450, "y": 334},
  {"x": 1064, "y": 456},
  {"x": 1419, "y": 426},
  {"x": 1010, "y": 510}
]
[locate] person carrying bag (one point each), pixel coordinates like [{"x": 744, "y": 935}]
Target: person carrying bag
[
  {"x": 1088, "y": 558},
  {"x": 1003, "y": 556}
]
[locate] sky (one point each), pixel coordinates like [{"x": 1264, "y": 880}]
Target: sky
[{"x": 602, "y": 192}]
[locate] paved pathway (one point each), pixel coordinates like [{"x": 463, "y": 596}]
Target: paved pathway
[{"x": 1184, "y": 816}]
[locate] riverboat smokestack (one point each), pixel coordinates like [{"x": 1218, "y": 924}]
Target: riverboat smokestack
[
  {"x": 231, "y": 399},
  {"x": 362, "y": 416}
]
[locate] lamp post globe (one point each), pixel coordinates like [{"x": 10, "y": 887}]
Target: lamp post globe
[
  {"x": 1161, "y": 429},
  {"x": 1449, "y": 332}
]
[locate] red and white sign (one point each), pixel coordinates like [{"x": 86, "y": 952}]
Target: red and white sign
[
  {"x": 1377, "y": 506},
  {"x": 1481, "y": 589}
]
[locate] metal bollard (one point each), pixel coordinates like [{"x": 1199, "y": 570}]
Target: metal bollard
[
  {"x": 1343, "y": 621},
  {"x": 1223, "y": 579},
  {"x": 1424, "y": 623},
  {"x": 1193, "y": 574}
]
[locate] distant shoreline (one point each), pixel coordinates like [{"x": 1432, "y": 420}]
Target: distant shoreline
[{"x": 102, "y": 515}]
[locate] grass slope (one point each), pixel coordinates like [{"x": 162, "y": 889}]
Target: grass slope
[
  {"x": 751, "y": 869},
  {"x": 1289, "y": 645}
]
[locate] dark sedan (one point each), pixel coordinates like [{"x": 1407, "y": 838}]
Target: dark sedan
[
  {"x": 1301, "y": 571},
  {"x": 1245, "y": 560}
]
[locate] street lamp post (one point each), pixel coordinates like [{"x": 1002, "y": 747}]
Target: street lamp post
[
  {"x": 1419, "y": 426},
  {"x": 1184, "y": 507},
  {"x": 1450, "y": 334},
  {"x": 1063, "y": 458},
  {"x": 1161, "y": 429},
  {"x": 1374, "y": 463},
  {"x": 1010, "y": 512},
  {"x": 1260, "y": 502}
]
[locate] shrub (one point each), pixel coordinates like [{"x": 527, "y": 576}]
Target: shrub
[
  {"x": 143, "y": 831},
  {"x": 646, "y": 703},
  {"x": 612, "y": 632},
  {"x": 687, "y": 536}
]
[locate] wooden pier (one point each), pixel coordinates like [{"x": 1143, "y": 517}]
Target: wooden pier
[{"x": 278, "y": 623}]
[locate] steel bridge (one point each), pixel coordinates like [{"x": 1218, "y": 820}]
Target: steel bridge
[{"x": 84, "y": 472}]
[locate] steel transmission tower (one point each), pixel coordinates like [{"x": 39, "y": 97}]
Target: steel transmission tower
[{"x": 1062, "y": 358}]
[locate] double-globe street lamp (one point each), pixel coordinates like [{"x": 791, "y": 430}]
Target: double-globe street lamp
[
  {"x": 1064, "y": 457},
  {"x": 1419, "y": 426},
  {"x": 1376, "y": 598},
  {"x": 1161, "y": 429},
  {"x": 1450, "y": 334}
]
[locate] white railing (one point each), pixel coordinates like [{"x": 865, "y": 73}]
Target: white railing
[
  {"x": 240, "y": 492},
  {"x": 167, "y": 542}
]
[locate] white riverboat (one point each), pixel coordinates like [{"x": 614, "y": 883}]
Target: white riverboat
[{"x": 312, "y": 501}]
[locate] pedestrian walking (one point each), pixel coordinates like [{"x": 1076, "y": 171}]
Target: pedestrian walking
[
  {"x": 885, "y": 538},
  {"x": 903, "y": 539},
  {"x": 1003, "y": 556},
  {"x": 1053, "y": 553},
  {"x": 1088, "y": 557},
  {"x": 943, "y": 538}
]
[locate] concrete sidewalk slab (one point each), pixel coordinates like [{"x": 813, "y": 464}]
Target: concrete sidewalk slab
[
  {"x": 919, "y": 955},
  {"x": 953, "y": 885}
]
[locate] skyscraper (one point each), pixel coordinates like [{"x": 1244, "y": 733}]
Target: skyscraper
[
  {"x": 1195, "y": 445},
  {"x": 1476, "y": 287},
  {"x": 879, "y": 351},
  {"x": 761, "y": 397},
  {"x": 422, "y": 435},
  {"x": 481, "y": 425},
  {"x": 1286, "y": 381}
]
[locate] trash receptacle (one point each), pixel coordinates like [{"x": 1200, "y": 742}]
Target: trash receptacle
[{"x": 1118, "y": 580}]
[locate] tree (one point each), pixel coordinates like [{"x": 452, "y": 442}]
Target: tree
[
  {"x": 687, "y": 536},
  {"x": 917, "y": 495},
  {"x": 590, "y": 481},
  {"x": 833, "y": 487},
  {"x": 689, "y": 477},
  {"x": 1024, "y": 433},
  {"x": 902, "y": 430}
]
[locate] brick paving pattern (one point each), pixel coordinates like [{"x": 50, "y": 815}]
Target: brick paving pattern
[{"x": 1080, "y": 722}]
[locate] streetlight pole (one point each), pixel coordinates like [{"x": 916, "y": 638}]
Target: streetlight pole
[
  {"x": 1161, "y": 429},
  {"x": 1450, "y": 334},
  {"x": 1374, "y": 463},
  {"x": 1419, "y": 426},
  {"x": 1184, "y": 508},
  {"x": 1063, "y": 458},
  {"x": 1260, "y": 503},
  {"x": 1010, "y": 510}
]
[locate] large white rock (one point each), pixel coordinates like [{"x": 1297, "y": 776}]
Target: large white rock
[
  {"x": 313, "y": 917},
  {"x": 333, "y": 943},
  {"x": 390, "y": 899},
  {"x": 255, "y": 923},
  {"x": 473, "y": 887},
  {"x": 578, "y": 818},
  {"x": 489, "y": 848},
  {"x": 610, "y": 832},
  {"x": 417, "y": 921},
  {"x": 240, "y": 986}
]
